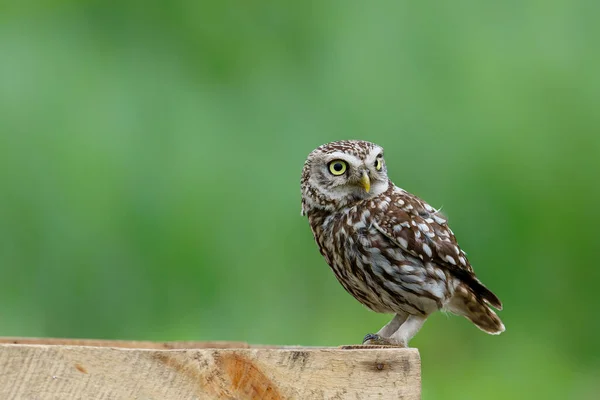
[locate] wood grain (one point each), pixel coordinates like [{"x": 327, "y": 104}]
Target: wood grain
[{"x": 147, "y": 370}]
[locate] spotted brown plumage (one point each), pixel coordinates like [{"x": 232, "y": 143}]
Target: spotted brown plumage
[{"x": 388, "y": 248}]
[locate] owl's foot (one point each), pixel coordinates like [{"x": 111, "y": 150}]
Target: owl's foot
[{"x": 373, "y": 339}]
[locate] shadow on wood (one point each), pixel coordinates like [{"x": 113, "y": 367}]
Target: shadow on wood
[{"x": 53, "y": 369}]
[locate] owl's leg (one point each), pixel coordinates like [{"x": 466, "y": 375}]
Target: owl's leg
[
  {"x": 393, "y": 325},
  {"x": 401, "y": 336},
  {"x": 381, "y": 338},
  {"x": 387, "y": 331},
  {"x": 408, "y": 330}
]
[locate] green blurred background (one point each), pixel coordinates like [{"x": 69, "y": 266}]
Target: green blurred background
[{"x": 150, "y": 157}]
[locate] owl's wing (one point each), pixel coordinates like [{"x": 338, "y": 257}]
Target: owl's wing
[{"x": 423, "y": 232}]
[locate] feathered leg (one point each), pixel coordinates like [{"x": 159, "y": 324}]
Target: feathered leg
[
  {"x": 381, "y": 338},
  {"x": 401, "y": 336}
]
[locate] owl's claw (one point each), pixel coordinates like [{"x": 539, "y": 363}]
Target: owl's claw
[{"x": 373, "y": 339}]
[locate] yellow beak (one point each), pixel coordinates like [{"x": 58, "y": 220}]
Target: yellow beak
[{"x": 365, "y": 181}]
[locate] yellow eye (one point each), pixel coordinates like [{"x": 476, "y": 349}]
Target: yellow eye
[
  {"x": 378, "y": 164},
  {"x": 337, "y": 167}
]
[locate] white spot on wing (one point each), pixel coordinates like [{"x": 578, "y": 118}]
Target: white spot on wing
[
  {"x": 439, "y": 220},
  {"x": 403, "y": 242},
  {"x": 450, "y": 259},
  {"x": 397, "y": 255},
  {"x": 440, "y": 274},
  {"x": 427, "y": 250},
  {"x": 407, "y": 268}
]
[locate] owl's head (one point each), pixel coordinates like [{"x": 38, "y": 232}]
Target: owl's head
[{"x": 340, "y": 173}]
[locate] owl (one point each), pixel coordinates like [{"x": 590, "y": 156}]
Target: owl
[{"x": 388, "y": 248}]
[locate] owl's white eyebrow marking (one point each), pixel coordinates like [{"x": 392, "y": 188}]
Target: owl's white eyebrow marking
[
  {"x": 373, "y": 155},
  {"x": 338, "y": 155}
]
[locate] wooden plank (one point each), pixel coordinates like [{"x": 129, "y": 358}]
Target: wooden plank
[
  {"x": 146, "y": 371},
  {"x": 129, "y": 344}
]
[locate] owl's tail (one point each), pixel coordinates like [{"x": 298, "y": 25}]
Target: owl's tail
[{"x": 466, "y": 303}]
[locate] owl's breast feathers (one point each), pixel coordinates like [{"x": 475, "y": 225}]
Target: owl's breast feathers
[{"x": 395, "y": 251}]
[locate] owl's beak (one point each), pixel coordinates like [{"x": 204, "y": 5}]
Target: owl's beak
[{"x": 365, "y": 181}]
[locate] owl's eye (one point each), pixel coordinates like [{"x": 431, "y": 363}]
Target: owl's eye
[
  {"x": 378, "y": 164},
  {"x": 337, "y": 167}
]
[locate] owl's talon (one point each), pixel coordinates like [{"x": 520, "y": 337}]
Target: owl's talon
[
  {"x": 373, "y": 339},
  {"x": 376, "y": 340}
]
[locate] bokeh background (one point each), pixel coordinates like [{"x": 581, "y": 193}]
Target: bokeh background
[{"x": 150, "y": 157}]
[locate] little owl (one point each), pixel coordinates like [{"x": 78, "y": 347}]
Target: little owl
[{"x": 388, "y": 248}]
